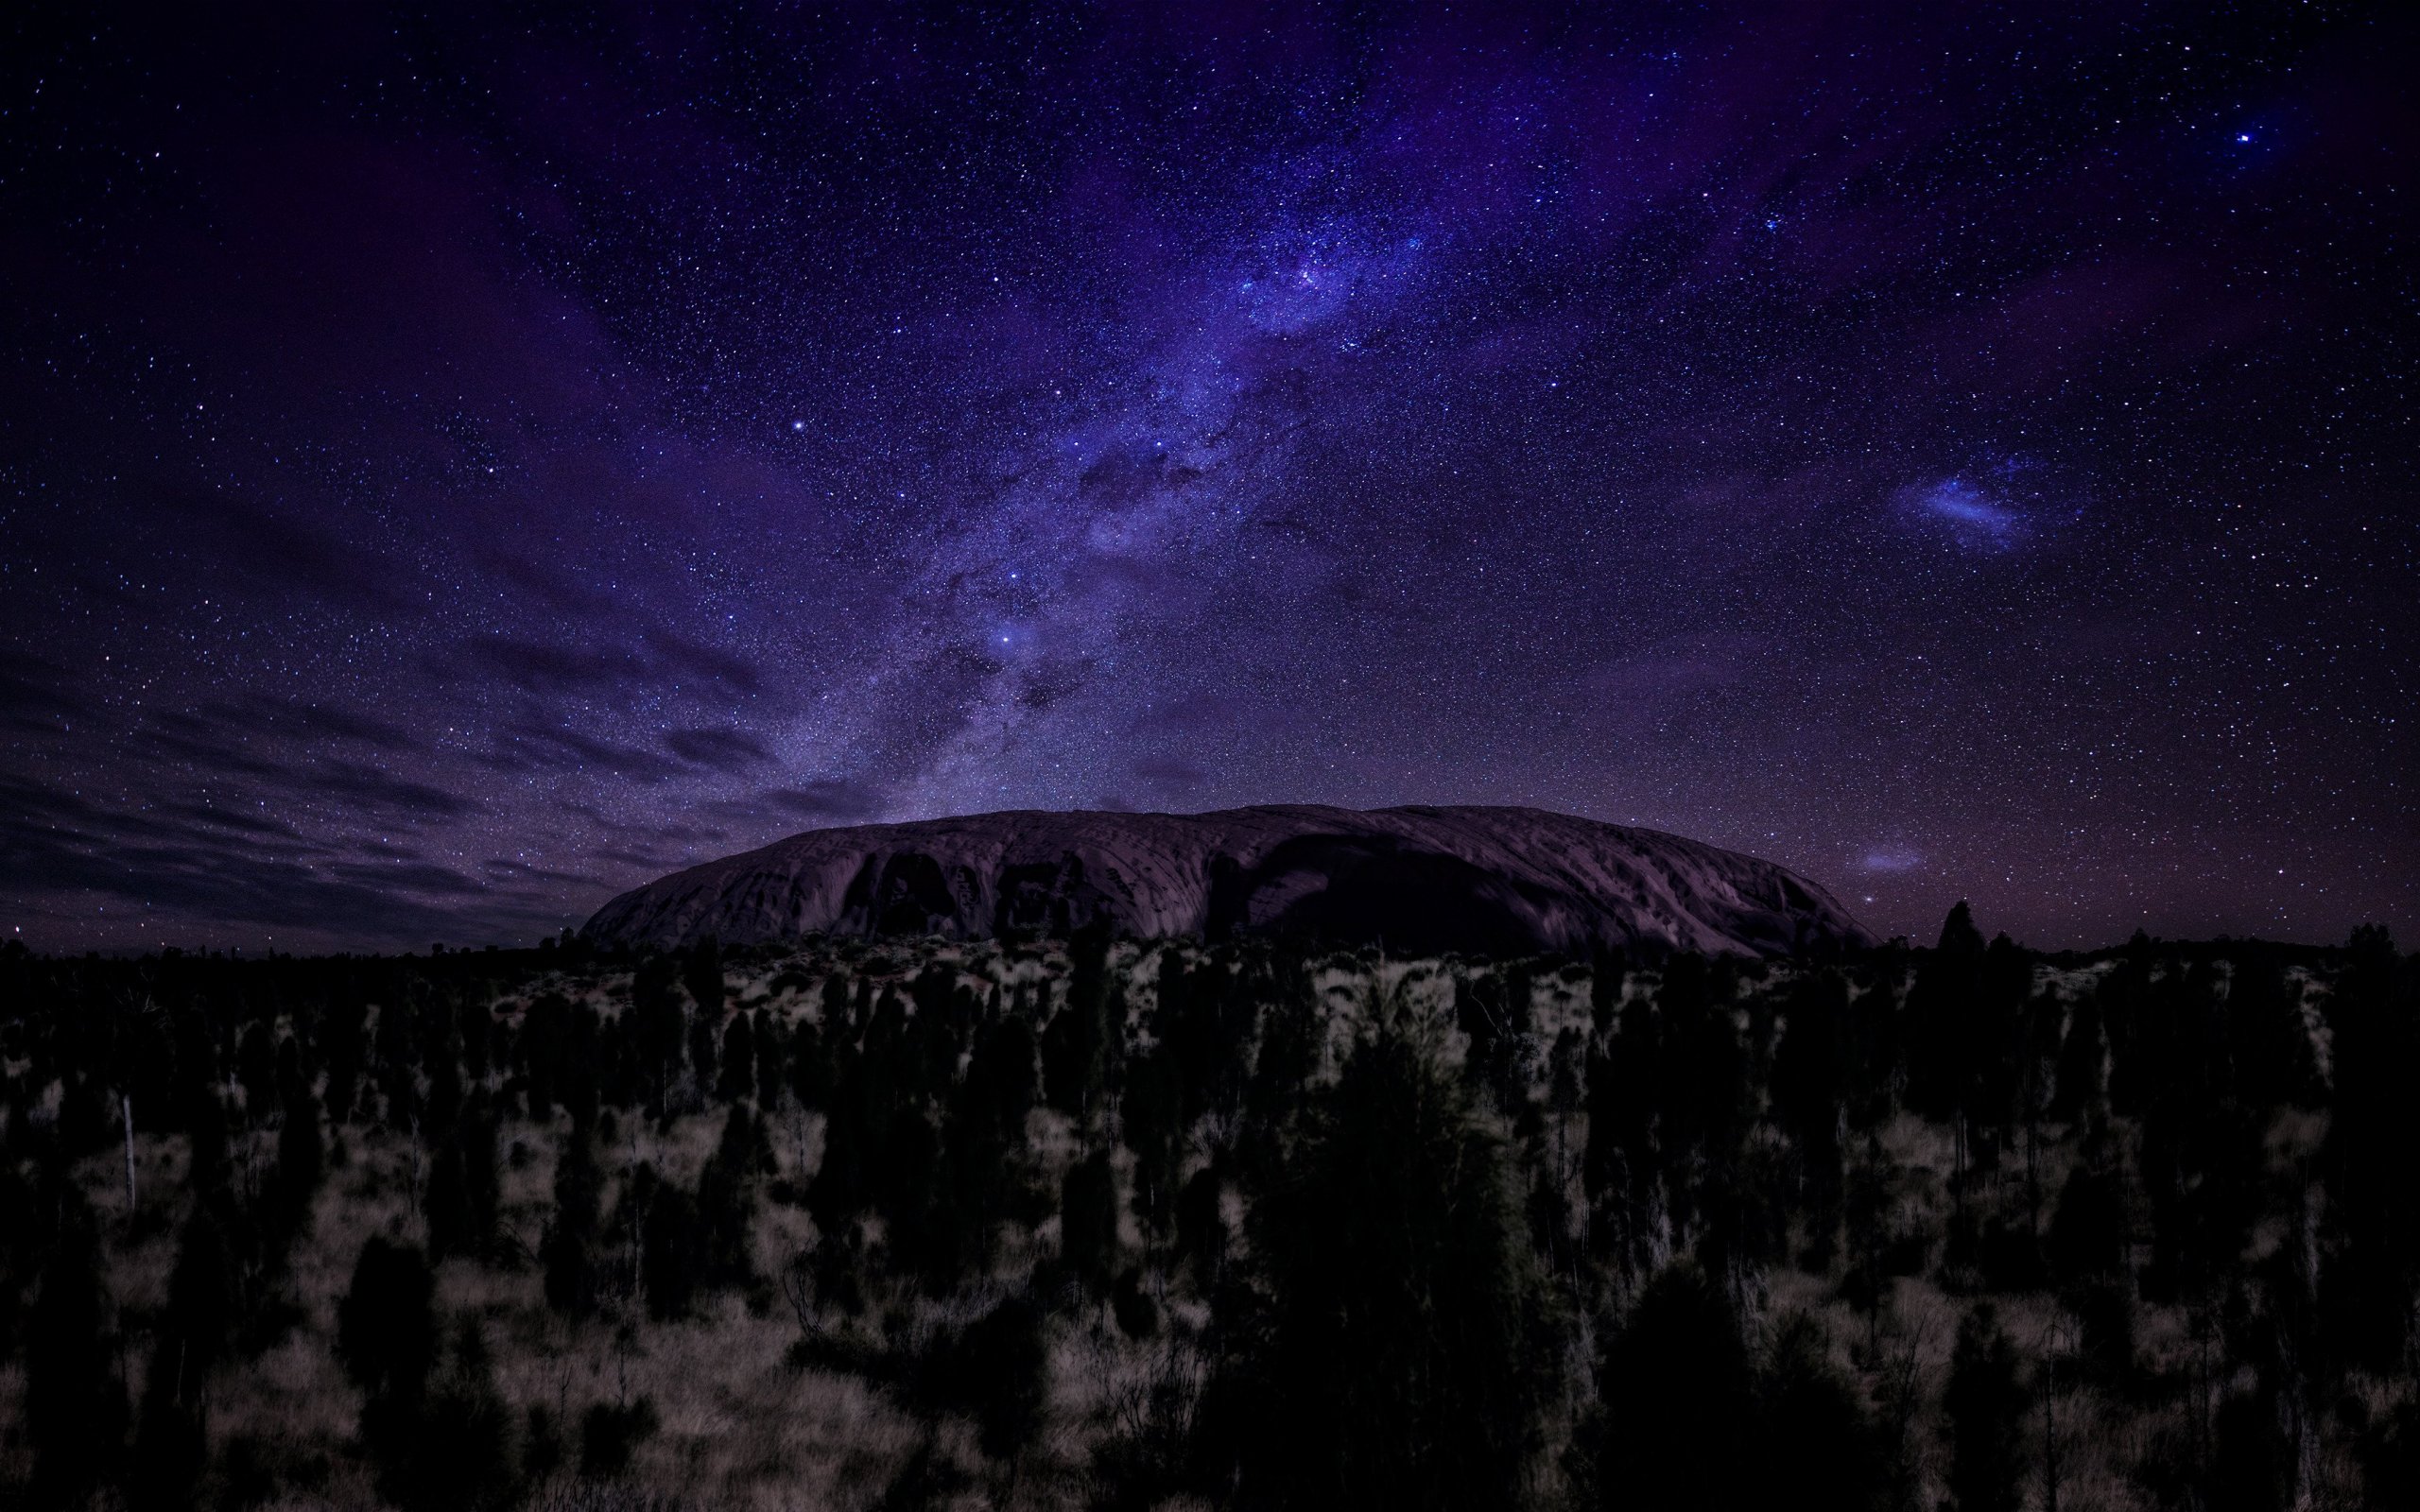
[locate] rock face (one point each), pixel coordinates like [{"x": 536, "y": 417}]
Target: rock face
[{"x": 1416, "y": 880}]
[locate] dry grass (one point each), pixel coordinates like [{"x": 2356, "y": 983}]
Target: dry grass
[{"x": 742, "y": 1427}]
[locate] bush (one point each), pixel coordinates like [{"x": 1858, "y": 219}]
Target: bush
[
  {"x": 386, "y": 1322},
  {"x": 451, "y": 1447},
  {"x": 566, "y": 1248},
  {"x": 245, "y": 1477},
  {"x": 542, "y": 1443},
  {"x": 1088, "y": 1221},
  {"x": 1677, "y": 1391},
  {"x": 1136, "y": 1311},
  {"x": 672, "y": 1250},
  {"x": 1813, "y": 1445},
  {"x": 1985, "y": 1405},
  {"x": 1004, "y": 1366},
  {"x": 611, "y": 1434},
  {"x": 1397, "y": 1365},
  {"x": 75, "y": 1403}
]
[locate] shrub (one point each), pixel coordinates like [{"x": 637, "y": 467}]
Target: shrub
[
  {"x": 1004, "y": 1366},
  {"x": 386, "y": 1322},
  {"x": 610, "y": 1434}
]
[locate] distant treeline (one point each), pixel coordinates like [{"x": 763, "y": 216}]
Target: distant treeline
[{"x": 1649, "y": 1233}]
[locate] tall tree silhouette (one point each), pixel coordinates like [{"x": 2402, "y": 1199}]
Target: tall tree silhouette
[
  {"x": 1394, "y": 1369},
  {"x": 1676, "y": 1393},
  {"x": 1985, "y": 1405},
  {"x": 75, "y": 1403},
  {"x": 2373, "y": 1210},
  {"x": 567, "y": 1252}
]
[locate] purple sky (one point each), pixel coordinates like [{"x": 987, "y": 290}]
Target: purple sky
[{"x": 451, "y": 472}]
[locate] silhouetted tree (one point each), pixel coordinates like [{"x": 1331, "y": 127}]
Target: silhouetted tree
[
  {"x": 2082, "y": 1078},
  {"x": 672, "y": 1251},
  {"x": 2088, "y": 1229},
  {"x": 657, "y": 1028},
  {"x": 387, "y": 1321},
  {"x": 1810, "y": 1077},
  {"x": 2252, "y": 1470},
  {"x": 1701, "y": 1098},
  {"x": 727, "y": 1202},
  {"x": 1078, "y": 1044},
  {"x": 1941, "y": 1006},
  {"x": 703, "y": 976},
  {"x": 809, "y": 1065},
  {"x": 1201, "y": 1225},
  {"x": 387, "y": 1338},
  {"x": 463, "y": 1185},
  {"x": 1004, "y": 1363},
  {"x": 464, "y": 1454},
  {"x": 302, "y": 1158},
  {"x": 1291, "y": 1032},
  {"x": 192, "y": 1334},
  {"x": 207, "y": 1171},
  {"x": 1151, "y": 1113},
  {"x": 1396, "y": 1368},
  {"x": 341, "y": 1048},
  {"x": 75, "y": 1404},
  {"x": 584, "y": 1069},
  {"x": 566, "y": 1249},
  {"x": 1676, "y": 1392},
  {"x": 738, "y": 1079},
  {"x": 2372, "y": 1243},
  {"x": 771, "y": 1048},
  {"x": 1618, "y": 1165},
  {"x": 1985, "y": 1405},
  {"x": 609, "y": 1433},
  {"x": 256, "y": 1072},
  {"x": 1812, "y": 1445},
  {"x": 1088, "y": 1221}
]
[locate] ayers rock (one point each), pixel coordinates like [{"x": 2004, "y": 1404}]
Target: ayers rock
[{"x": 1417, "y": 881}]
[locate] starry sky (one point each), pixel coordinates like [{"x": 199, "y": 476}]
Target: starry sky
[{"x": 452, "y": 471}]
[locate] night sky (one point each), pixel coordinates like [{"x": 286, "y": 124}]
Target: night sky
[{"x": 451, "y": 472}]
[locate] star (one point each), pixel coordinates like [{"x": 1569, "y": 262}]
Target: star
[{"x": 1976, "y": 509}]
